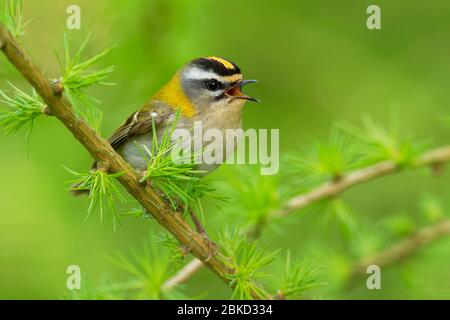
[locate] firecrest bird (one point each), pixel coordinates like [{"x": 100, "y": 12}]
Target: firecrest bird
[{"x": 206, "y": 89}]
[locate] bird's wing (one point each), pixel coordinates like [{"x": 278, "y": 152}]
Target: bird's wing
[{"x": 139, "y": 123}]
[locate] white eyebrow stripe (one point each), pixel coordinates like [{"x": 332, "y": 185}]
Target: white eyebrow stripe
[{"x": 199, "y": 74}]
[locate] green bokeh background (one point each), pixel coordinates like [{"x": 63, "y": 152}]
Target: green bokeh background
[{"x": 316, "y": 63}]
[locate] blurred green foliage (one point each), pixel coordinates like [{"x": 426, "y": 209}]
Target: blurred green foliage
[{"x": 317, "y": 64}]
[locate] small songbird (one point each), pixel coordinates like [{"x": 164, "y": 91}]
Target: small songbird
[{"x": 206, "y": 89}]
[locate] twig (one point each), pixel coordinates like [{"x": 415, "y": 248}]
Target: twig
[
  {"x": 431, "y": 158},
  {"x": 183, "y": 274},
  {"x": 404, "y": 248},
  {"x": 102, "y": 151}
]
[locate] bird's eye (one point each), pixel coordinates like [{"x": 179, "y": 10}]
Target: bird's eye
[{"x": 213, "y": 84}]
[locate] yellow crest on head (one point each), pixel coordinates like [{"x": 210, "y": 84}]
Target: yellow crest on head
[{"x": 227, "y": 64}]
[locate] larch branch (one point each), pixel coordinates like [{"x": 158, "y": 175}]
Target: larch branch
[
  {"x": 433, "y": 158},
  {"x": 102, "y": 151},
  {"x": 405, "y": 248},
  {"x": 183, "y": 274}
]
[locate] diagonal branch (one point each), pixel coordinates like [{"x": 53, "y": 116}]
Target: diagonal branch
[
  {"x": 102, "y": 151},
  {"x": 403, "y": 249}
]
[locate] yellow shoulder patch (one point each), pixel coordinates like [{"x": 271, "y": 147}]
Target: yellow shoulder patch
[
  {"x": 173, "y": 95},
  {"x": 226, "y": 64}
]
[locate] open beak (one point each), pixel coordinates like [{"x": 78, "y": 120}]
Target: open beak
[{"x": 235, "y": 90}]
